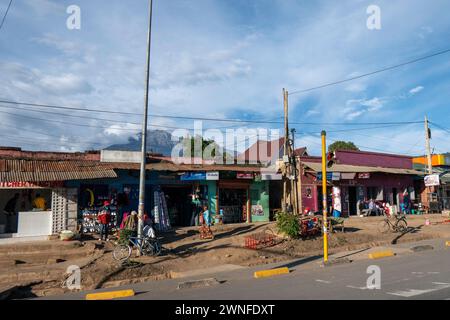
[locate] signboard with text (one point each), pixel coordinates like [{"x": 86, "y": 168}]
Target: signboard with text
[
  {"x": 432, "y": 180},
  {"x": 247, "y": 176},
  {"x": 31, "y": 185}
]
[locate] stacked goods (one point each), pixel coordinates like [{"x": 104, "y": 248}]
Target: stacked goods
[{"x": 90, "y": 222}]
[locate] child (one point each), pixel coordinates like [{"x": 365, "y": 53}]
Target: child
[{"x": 205, "y": 228}]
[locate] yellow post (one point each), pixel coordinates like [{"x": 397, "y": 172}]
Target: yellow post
[{"x": 324, "y": 196}]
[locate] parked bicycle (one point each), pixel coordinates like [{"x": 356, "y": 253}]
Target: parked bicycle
[
  {"x": 146, "y": 246},
  {"x": 399, "y": 224}
]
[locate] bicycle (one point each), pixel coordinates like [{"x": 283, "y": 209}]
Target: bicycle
[
  {"x": 146, "y": 246},
  {"x": 399, "y": 225}
]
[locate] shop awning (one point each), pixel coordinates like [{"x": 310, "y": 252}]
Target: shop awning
[
  {"x": 13, "y": 170},
  {"x": 344, "y": 168}
]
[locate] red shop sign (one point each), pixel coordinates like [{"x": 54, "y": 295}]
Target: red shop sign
[{"x": 31, "y": 185}]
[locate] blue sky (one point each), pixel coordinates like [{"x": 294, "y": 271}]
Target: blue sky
[{"x": 226, "y": 59}]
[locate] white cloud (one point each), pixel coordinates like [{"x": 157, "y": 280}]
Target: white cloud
[
  {"x": 65, "y": 84},
  {"x": 416, "y": 90}
]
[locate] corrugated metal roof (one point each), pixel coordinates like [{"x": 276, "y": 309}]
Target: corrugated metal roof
[
  {"x": 360, "y": 169},
  {"x": 12, "y": 170},
  {"x": 445, "y": 178},
  {"x": 167, "y": 166}
]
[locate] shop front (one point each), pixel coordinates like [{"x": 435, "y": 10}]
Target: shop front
[
  {"x": 37, "y": 209},
  {"x": 350, "y": 188}
]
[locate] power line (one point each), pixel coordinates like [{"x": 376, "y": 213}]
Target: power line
[
  {"x": 371, "y": 73},
  {"x": 439, "y": 127},
  {"x": 361, "y": 146},
  {"x": 203, "y": 118},
  {"x": 91, "y": 118},
  {"x": 93, "y": 126},
  {"x": 6, "y": 13}
]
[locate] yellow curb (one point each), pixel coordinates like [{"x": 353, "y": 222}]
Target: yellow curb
[
  {"x": 447, "y": 244},
  {"x": 110, "y": 295},
  {"x": 271, "y": 272},
  {"x": 381, "y": 254}
]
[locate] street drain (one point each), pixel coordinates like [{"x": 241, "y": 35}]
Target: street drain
[
  {"x": 198, "y": 283},
  {"x": 422, "y": 248}
]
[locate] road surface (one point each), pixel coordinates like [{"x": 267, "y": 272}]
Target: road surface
[{"x": 418, "y": 275}]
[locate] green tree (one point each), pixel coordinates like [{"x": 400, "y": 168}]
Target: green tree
[{"x": 342, "y": 145}]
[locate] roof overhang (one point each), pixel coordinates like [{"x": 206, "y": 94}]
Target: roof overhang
[{"x": 317, "y": 167}]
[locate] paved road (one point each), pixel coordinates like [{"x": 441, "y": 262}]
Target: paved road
[{"x": 422, "y": 275}]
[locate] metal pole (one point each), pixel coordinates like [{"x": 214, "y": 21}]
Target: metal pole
[
  {"x": 324, "y": 196},
  {"x": 141, "y": 208}
]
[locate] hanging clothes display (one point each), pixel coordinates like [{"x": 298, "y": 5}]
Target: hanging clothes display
[{"x": 161, "y": 213}]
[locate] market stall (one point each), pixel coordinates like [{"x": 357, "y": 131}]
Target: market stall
[{"x": 18, "y": 208}]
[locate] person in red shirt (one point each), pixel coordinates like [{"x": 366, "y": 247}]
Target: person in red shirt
[{"x": 104, "y": 218}]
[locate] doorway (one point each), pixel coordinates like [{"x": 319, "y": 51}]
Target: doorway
[
  {"x": 352, "y": 201},
  {"x": 179, "y": 204}
]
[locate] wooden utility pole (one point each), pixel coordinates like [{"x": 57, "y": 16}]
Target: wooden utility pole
[
  {"x": 430, "y": 190},
  {"x": 428, "y": 147},
  {"x": 285, "y": 152}
]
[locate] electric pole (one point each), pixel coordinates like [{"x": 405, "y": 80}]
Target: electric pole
[
  {"x": 428, "y": 147},
  {"x": 141, "y": 208},
  {"x": 285, "y": 152},
  {"x": 429, "y": 160},
  {"x": 295, "y": 181}
]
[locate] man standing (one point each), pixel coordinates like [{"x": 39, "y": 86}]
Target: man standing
[
  {"x": 11, "y": 214},
  {"x": 104, "y": 218}
]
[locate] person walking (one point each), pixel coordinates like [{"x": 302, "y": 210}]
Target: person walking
[
  {"x": 104, "y": 218},
  {"x": 11, "y": 214},
  {"x": 205, "y": 228}
]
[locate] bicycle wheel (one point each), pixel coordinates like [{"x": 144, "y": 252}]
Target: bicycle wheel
[
  {"x": 122, "y": 252},
  {"x": 152, "y": 247},
  {"x": 384, "y": 226},
  {"x": 401, "y": 226}
]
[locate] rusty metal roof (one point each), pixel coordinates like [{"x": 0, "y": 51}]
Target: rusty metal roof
[
  {"x": 12, "y": 170},
  {"x": 169, "y": 166},
  {"x": 317, "y": 167}
]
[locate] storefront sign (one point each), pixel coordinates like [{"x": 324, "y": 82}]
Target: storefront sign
[
  {"x": 193, "y": 176},
  {"x": 432, "y": 180},
  {"x": 271, "y": 177},
  {"x": 348, "y": 175},
  {"x": 333, "y": 176},
  {"x": 363, "y": 175},
  {"x": 248, "y": 176},
  {"x": 213, "y": 175},
  {"x": 31, "y": 185}
]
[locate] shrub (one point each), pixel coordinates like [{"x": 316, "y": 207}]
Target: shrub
[
  {"x": 125, "y": 236},
  {"x": 288, "y": 224}
]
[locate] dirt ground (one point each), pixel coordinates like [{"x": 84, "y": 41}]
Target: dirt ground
[{"x": 38, "y": 269}]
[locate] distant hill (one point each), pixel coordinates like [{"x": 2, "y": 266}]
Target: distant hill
[{"x": 158, "y": 141}]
